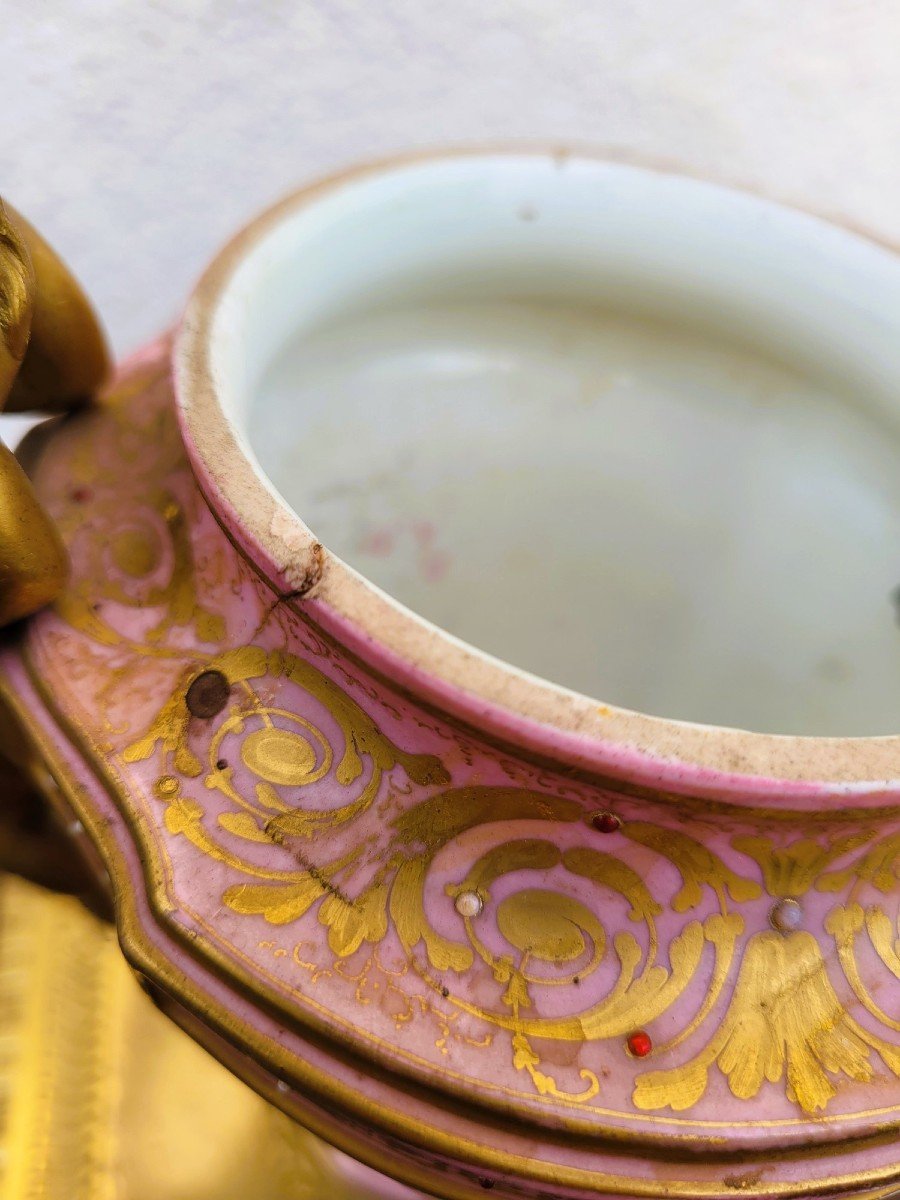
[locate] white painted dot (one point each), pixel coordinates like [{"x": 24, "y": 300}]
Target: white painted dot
[
  {"x": 76, "y": 828},
  {"x": 282, "y": 1086},
  {"x": 786, "y": 916},
  {"x": 469, "y": 904}
]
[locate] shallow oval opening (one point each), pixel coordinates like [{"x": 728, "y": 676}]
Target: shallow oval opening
[{"x": 630, "y": 432}]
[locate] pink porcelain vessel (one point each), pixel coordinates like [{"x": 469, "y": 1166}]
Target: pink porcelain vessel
[{"x": 481, "y": 932}]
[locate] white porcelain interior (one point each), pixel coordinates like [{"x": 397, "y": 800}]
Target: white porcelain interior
[{"x": 632, "y": 432}]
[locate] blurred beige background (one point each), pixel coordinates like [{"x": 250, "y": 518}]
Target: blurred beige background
[{"x": 137, "y": 134}]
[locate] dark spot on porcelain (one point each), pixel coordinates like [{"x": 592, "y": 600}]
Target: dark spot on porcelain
[{"x": 207, "y": 695}]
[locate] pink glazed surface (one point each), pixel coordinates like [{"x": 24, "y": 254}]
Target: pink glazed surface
[{"x": 299, "y": 910}]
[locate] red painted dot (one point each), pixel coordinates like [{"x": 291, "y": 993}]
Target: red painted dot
[
  {"x": 639, "y": 1044},
  {"x": 606, "y": 822},
  {"x": 81, "y": 495}
]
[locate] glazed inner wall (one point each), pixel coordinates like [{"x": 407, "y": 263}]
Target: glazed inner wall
[{"x": 632, "y": 433}]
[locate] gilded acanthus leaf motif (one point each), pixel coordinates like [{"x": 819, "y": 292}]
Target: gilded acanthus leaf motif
[
  {"x": 698, "y": 865},
  {"x": 170, "y": 731},
  {"x": 722, "y": 930},
  {"x": 280, "y": 903},
  {"x": 884, "y": 938},
  {"x": 845, "y": 923},
  {"x": 352, "y": 922},
  {"x": 879, "y": 866},
  {"x": 639, "y": 1001},
  {"x": 792, "y": 870},
  {"x": 412, "y": 925},
  {"x": 784, "y": 1022},
  {"x": 182, "y": 815},
  {"x": 244, "y": 826}
]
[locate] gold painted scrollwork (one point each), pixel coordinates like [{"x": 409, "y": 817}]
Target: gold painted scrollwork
[
  {"x": 547, "y": 932},
  {"x": 783, "y": 1021}
]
